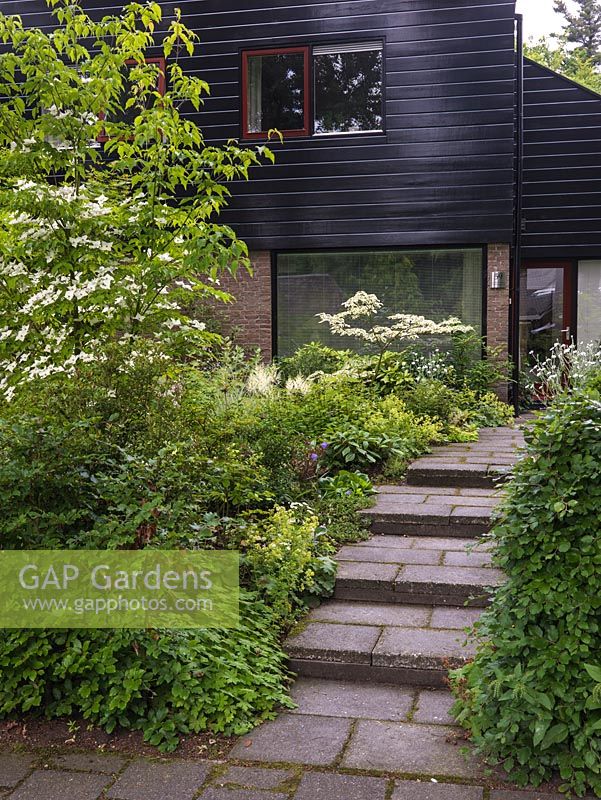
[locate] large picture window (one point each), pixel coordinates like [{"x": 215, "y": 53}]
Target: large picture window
[
  {"x": 322, "y": 90},
  {"x": 436, "y": 283}
]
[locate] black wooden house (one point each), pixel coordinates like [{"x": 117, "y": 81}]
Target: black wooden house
[{"x": 424, "y": 159}]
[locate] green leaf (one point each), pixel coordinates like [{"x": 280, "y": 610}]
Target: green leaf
[
  {"x": 555, "y": 735},
  {"x": 594, "y": 672}
]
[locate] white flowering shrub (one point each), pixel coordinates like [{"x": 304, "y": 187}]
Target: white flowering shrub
[
  {"x": 107, "y": 230},
  {"x": 427, "y": 367},
  {"x": 262, "y": 380},
  {"x": 565, "y": 367},
  {"x": 361, "y": 319}
]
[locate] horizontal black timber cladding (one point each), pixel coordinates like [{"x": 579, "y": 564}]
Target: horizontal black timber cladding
[
  {"x": 562, "y": 167},
  {"x": 442, "y": 173}
]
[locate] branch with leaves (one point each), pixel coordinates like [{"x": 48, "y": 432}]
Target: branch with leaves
[{"x": 108, "y": 229}]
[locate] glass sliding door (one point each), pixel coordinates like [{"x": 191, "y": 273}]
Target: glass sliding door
[
  {"x": 545, "y": 308},
  {"x": 436, "y": 283},
  {"x": 589, "y": 302}
]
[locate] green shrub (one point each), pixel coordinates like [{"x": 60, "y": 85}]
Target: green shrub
[
  {"x": 532, "y": 698},
  {"x": 385, "y": 375},
  {"x": 283, "y": 554},
  {"x": 471, "y": 370},
  {"x": 164, "y": 683},
  {"x": 311, "y": 358},
  {"x": 346, "y": 484},
  {"x": 431, "y": 399},
  {"x": 65, "y": 485},
  {"x": 485, "y": 410},
  {"x": 340, "y": 518},
  {"x": 359, "y": 448}
]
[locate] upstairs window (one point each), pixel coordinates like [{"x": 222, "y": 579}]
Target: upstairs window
[
  {"x": 325, "y": 90},
  {"x": 276, "y": 91},
  {"x": 348, "y": 88}
]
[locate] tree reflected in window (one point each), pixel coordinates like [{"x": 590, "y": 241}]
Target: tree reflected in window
[
  {"x": 348, "y": 90},
  {"x": 276, "y": 92}
]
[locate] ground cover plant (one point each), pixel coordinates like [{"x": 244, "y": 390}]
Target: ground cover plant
[
  {"x": 532, "y": 696},
  {"x": 124, "y": 424}
]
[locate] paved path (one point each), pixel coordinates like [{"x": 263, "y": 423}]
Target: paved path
[{"x": 372, "y": 721}]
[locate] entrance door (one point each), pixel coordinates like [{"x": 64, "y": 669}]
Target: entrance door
[{"x": 546, "y": 308}]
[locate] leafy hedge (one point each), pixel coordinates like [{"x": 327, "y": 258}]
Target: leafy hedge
[
  {"x": 164, "y": 682},
  {"x": 532, "y": 697}
]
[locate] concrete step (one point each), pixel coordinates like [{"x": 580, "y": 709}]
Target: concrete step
[
  {"x": 484, "y": 464},
  {"x": 431, "y": 471},
  {"x": 392, "y": 644},
  {"x": 432, "y": 511},
  {"x": 416, "y": 570}
]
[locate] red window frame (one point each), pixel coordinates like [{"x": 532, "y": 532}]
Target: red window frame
[
  {"x": 246, "y": 134},
  {"x": 161, "y": 84}
]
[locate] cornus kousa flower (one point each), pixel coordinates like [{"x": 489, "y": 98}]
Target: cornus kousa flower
[{"x": 378, "y": 336}]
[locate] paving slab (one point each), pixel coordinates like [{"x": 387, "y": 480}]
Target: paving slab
[
  {"x": 224, "y": 793},
  {"x": 452, "y": 580},
  {"x": 409, "y": 748},
  {"x": 352, "y": 700},
  {"x": 14, "y": 767},
  {"x": 411, "y": 512},
  {"x": 295, "y": 739},
  {"x": 389, "y": 555},
  {"x": 466, "y": 491},
  {"x": 452, "y": 618},
  {"x": 443, "y": 543},
  {"x": 256, "y": 777},
  {"x": 466, "y": 515},
  {"x": 388, "y": 494},
  {"x": 108, "y": 763},
  {"x": 381, "y": 540},
  {"x": 58, "y": 785},
  {"x": 403, "y": 488},
  {"x": 472, "y": 558},
  {"x": 461, "y": 500},
  {"x": 372, "y": 614},
  {"x": 373, "y": 576},
  {"x": 328, "y": 642},
  {"x": 317, "y": 785},
  {"x": 149, "y": 780},
  {"x": 535, "y": 795},
  {"x": 433, "y": 707},
  {"x": 417, "y": 648},
  {"x": 423, "y": 790}
]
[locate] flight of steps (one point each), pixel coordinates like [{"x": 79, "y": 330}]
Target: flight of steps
[{"x": 404, "y": 598}]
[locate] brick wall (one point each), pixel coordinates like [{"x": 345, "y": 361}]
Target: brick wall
[
  {"x": 498, "y": 299},
  {"x": 249, "y": 317},
  {"x": 499, "y": 260}
]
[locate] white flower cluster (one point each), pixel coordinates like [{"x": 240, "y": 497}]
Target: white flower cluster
[
  {"x": 566, "y": 365},
  {"x": 299, "y": 384},
  {"x": 401, "y": 326},
  {"x": 24, "y": 147},
  {"x": 262, "y": 380},
  {"x": 433, "y": 366},
  {"x": 94, "y": 244},
  {"x": 87, "y": 118},
  {"x": 72, "y": 268}
]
